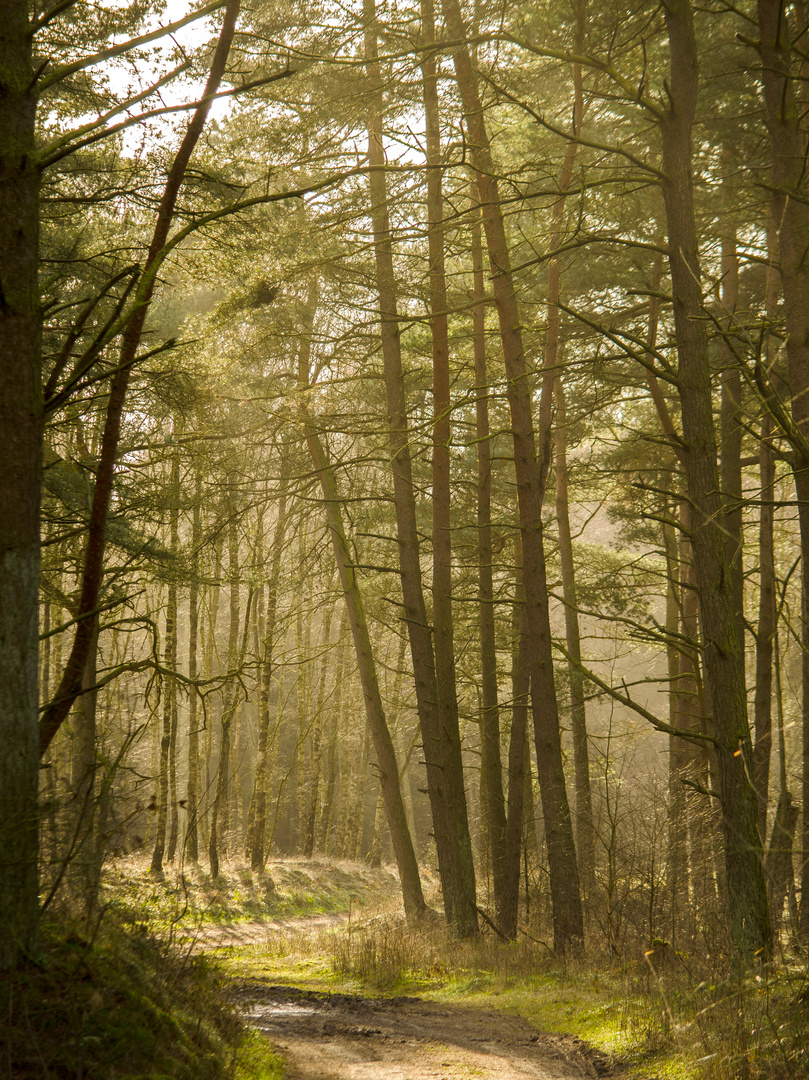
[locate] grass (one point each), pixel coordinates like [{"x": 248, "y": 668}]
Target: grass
[
  {"x": 121, "y": 1004},
  {"x": 666, "y": 1014},
  {"x": 134, "y": 1001},
  {"x": 292, "y": 888}
]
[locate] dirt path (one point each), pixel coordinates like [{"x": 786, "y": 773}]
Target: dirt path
[{"x": 345, "y": 1037}]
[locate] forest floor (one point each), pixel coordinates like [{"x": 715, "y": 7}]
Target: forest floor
[
  {"x": 316, "y": 954},
  {"x": 320, "y": 962},
  {"x": 335, "y": 1036}
]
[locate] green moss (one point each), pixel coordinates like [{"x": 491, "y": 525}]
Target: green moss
[{"x": 122, "y": 1005}]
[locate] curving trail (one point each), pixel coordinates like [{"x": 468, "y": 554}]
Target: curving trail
[{"x": 347, "y": 1037}]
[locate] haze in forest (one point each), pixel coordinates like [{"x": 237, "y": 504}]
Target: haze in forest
[{"x": 405, "y": 460}]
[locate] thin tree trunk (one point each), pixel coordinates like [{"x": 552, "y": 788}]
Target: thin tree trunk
[
  {"x": 530, "y": 475},
  {"x": 377, "y": 724},
  {"x": 585, "y": 831},
  {"x": 517, "y": 755},
  {"x": 84, "y": 767},
  {"x": 192, "y": 789},
  {"x": 765, "y": 630},
  {"x": 167, "y": 798},
  {"x": 680, "y": 753},
  {"x": 220, "y": 817},
  {"x": 730, "y": 419},
  {"x": 491, "y": 767},
  {"x": 766, "y": 626},
  {"x": 310, "y": 824},
  {"x": 585, "y": 835},
  {"x": 256, "y": 840},
  {"x": 786, "y": 127},
  {"x": 442, "y": 748},
  {"x": 780, "y": 869}
]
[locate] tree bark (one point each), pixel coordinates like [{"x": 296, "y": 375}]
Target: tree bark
[
  {"x": 220, "y": 811},
  {"x": 388, "y": 769},
  {"x": 531, "y": 471},
  {"x": 257, "y": 836},
  {"x": 585, "y": 830},
  {"x": 724, "y": 659},
  {"x": 490, "y": 763},
  {"x": 165, "y": 804},
  {"x": 786, "y": 127},
  {"x": 192, "y": 790},
  {"x": 442, "y": 748},
  {"x": 21, "y": 427}
]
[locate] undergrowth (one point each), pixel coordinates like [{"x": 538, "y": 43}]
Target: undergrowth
[
  {"x": 121, "y": 1004},
  {"x": 681, "y": 1015}
]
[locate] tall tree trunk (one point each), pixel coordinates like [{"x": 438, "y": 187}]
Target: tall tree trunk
[
  {"x": 335, "y": 714},
  {"x": 680, "y": 753},
  {"x": 257, "y": 836},
  {"x": 220, "y": 816},
  {"x": 82, "y": 876},
  {"x": 517, "y": 754},
  {"x": 780, "y": 869},
  {"x": 585, "y": 835},
  {"x": 491, "y": 766},
  {"x": 730, "y": 417},
  {"x": 21, "y": 427},
  {"x": 167, "y": 799},
  {"x": 724, "y": 659},
  {"x": 192, "y": 789},
  {"x": 313, "y": 797},
  {"x": 442, "y": 748},
  {"x": 766, "y": 626},
  {"x": 585, "y": 831},
  {"x": 530, "y": 475},
  {"x": 765, "y": 629},
  {"x": 787, "y": 131},
  {"x": 377, "y": 724}
]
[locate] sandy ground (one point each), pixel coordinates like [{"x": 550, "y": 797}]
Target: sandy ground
[{"x": 346, "y": 1037}]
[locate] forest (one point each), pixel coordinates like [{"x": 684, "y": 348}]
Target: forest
[{"x": 404, "y": 464}]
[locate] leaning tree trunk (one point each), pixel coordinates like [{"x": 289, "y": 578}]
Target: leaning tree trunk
[
  {"x": 530, "y": 475},
  {"x": 724, "y": 658},
  {"x": 387, "y": 766},
  {"x": 70, "y": 685},
  {"x": 442, "y": 748}
]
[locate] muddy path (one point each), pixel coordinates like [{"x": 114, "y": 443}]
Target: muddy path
[{"x": 346, "y": 1037}]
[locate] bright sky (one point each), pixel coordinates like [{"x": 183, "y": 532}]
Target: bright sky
[{"x": 180, "y": 90}]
